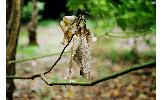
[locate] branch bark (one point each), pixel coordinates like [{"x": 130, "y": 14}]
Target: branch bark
[
  {"x": 12, "y": 30},
  {"x": 112, "y": 76},
  {"x": 149, "y": 64}
]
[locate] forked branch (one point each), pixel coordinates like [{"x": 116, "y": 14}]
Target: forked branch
[
  {"x": 149, "y": 64},
  {"x": 59, "y": 56}
]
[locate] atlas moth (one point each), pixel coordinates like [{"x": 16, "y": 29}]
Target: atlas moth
[{"x": 82, "y": 41}]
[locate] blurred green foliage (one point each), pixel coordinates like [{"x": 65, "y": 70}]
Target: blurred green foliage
[
  {"x": 27, "y": 10},
  {"x": 46, "y": 23},
  {"x": 138, "y": 15}
]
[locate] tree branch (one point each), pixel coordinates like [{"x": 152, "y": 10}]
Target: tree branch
[
  {"x": 98, "y": 37},
  {"x": 38, "y": 75},
  {"x": 59, "y": 56},
  {"x": 28, "y": 59},
  {"x": 112, "y": 76},
  {"x": 23, "y": 77},
  {"x": 111, "y": 34},
  {"x": 149, "y": 64}
]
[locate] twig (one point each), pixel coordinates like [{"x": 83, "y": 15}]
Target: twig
[
  {"x": 106, "y": 34},
  {"x": 149, "y": 64},
  {"x": 28, "y": 59},
  {"x": 24, "y": 77},
  {"x": 37, "y": 75},
  {"x": 117, "y": 36},
  {"x": 59, "y": 56},
  {"x": 112, "y": 76}
]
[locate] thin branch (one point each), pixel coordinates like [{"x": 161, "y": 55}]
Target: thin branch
[
  {"x": 37, "y": 75},
  {"x": 117, "y": 36},
  {"x": 149, "y": 64},
  {"x": 59, "y": 56},
  {"x": 23, "y": 77},
  {"x": 28, "y": 59},
  {"x": 112, "y": 76},
  {"x": 98, "y": 37}
]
